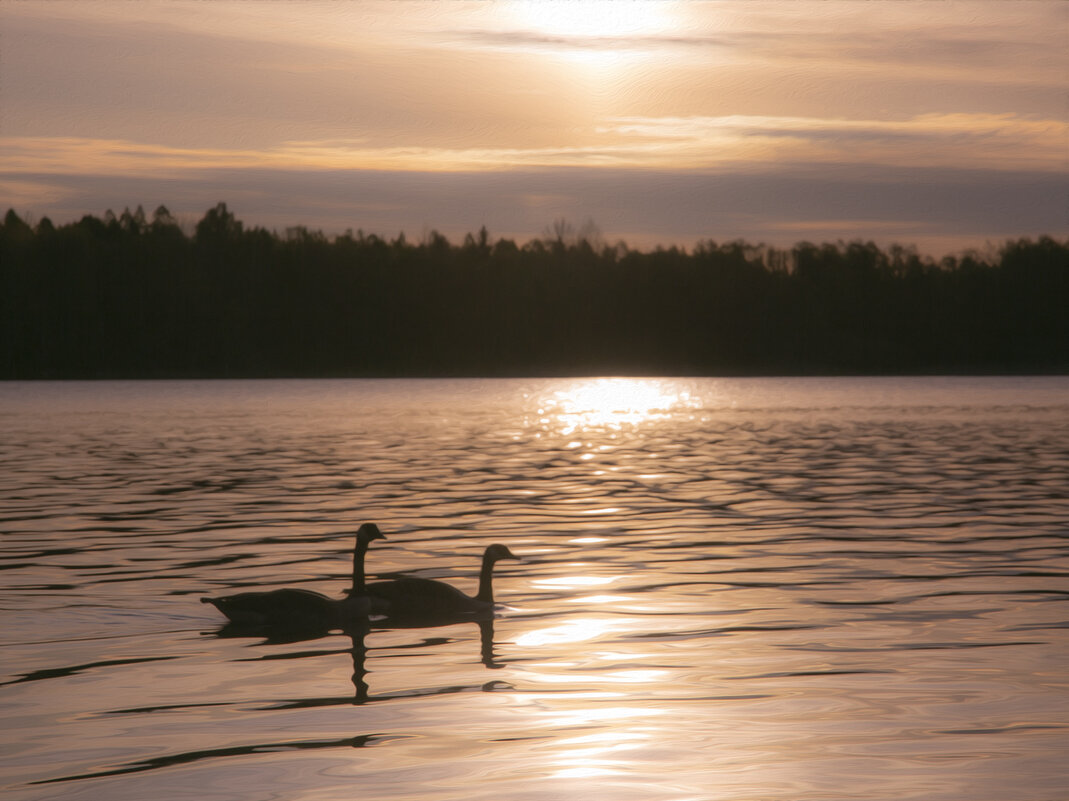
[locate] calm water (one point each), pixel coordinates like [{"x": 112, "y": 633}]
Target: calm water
[{"x": 732, "y": 589}]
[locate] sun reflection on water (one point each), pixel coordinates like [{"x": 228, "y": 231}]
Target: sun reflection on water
[
  {"x": 615, "y": 402},
  {"x": 598, "y": 599},
  {"x": 572, "y": 631},
  {"x": 574, "y": 582},
  {"x": 586, "y": 755},
  {"x": 580, "y": 717},
  {"x": 638, "y": 676}
]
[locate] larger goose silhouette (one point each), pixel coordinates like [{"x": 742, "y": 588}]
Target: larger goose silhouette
[
  {"x": 419, "y": 599},
  {"x": 297, "y": 608}
]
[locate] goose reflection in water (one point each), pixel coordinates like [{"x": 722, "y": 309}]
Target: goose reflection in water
[{"x": 359, "y": 652}]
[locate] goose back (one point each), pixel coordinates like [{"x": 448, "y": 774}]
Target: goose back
[
  {"x": 411, "y": 598},
  {"x": 285, "y": 607}
]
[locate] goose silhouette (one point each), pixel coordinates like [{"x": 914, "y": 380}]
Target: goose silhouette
[
  {"x": 418, "y": 599},
  {"x": 297, "y": 608}
]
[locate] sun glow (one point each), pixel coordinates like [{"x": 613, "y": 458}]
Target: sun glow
[
  {"x": 594, "y": 19},
  {"x": 594, "y": 33}
]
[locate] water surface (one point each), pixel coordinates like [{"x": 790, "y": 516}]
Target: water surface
[{"x": 731, "y": 589}]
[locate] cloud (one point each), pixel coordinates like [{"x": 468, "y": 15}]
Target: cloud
[
  {"x": 999, "y": 141},
  {"x": 510, "y": 40},
  {"x": 36, "y": 194},
  {"x": 1006, "y": 41},
  {"x": 758, "y": 143}
]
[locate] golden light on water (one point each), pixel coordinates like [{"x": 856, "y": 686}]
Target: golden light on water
[
  {"x": 574, "y": 582},
  {"x": 579, "y": 717},
  {"x": 605, "y": 740},
  {"x": 590, "y": 755},
  {"x": 572, "y": 631},
  {"x": 582, "y": 773},
  {"x": 598, "y": 599},
  {"x": 615, "y": 402},
  {"x": 603, "y": 754},
  {"x": 637, "y": 676}
]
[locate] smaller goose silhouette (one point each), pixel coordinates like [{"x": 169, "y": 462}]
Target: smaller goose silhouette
[
  {"x": 296, "y": 608},
  {"x": 426, "y": 599}
]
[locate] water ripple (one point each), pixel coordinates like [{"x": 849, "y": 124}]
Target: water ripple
[{"x": 857, "y": 584}]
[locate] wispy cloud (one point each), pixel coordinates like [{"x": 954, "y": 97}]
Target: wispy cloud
[
  {"x": 993, "y": 141},
  {"x": 541, "y": 42},
  {"x": 990, "y": 141},
  {"x": 105, "y": 156}
]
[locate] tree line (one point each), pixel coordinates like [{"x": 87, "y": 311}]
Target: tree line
[{"x": 133, "y": 296}]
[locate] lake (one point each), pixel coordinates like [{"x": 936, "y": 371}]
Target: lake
[{"x": 730, "y": 589}]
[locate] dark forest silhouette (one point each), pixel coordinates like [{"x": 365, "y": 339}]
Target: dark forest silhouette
[{"x": 128, "y": 296}]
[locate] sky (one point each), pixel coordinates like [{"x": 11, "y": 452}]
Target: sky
[{"x": 939, "y": 124}]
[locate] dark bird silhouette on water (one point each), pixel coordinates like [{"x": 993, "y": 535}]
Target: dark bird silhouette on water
[
  {"x": 420, "y": 599},
  {"x": 306, "y": 609}
]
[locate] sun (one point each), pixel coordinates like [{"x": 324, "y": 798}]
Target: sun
[
  {"x": 604, "y": 37},
  {"x": 594, "y": 19}
]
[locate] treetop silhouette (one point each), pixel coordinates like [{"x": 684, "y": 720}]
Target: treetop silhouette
[{"x": 123, "y": 296}]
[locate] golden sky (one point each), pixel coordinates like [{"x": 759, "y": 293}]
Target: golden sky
[{"x": 937, "y": 123}]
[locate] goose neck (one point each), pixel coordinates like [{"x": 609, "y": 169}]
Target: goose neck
[
  {"x": 359, "y": 585},
  {"x": 486, "y": 580}
]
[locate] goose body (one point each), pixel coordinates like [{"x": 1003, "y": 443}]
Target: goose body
[
  {"x": 428, "y": 599},
  {"x": 298, "y": 608},
  {"x": 290, "y": 608}
]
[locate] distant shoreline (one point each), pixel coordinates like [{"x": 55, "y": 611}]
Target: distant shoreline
[
  {"x": 522, "y": 376},
  {"x": 127, "y": 298}
]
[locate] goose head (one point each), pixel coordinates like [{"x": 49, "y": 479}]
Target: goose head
[
  {"x": 496, "y": 553},
  {"x": 368, "y": 533}
]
